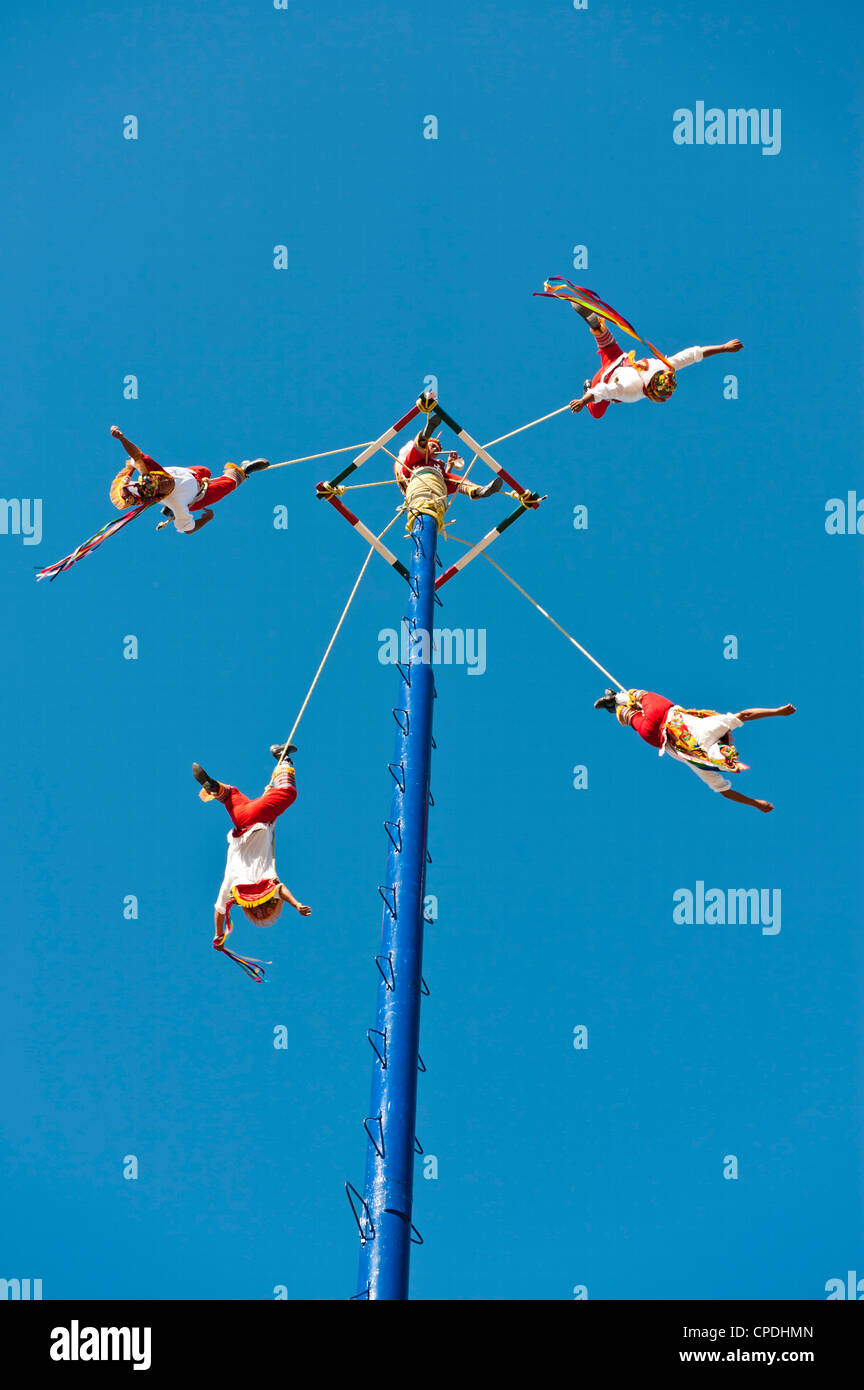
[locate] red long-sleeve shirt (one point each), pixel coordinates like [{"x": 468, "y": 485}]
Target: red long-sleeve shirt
[{"x": 411, "y": 457}]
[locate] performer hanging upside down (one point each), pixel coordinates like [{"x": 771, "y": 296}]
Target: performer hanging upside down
[
  {"x": 697, "y": 737},
  {"x": 422, "y": 472},
  {"x": 624, "y": 378},
  {"x": 250, "y": 879},
  {"x": 183, "y": 490}
]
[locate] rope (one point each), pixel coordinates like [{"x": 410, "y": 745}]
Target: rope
[
  {"x": 512, "y": 432},
  {"x": 528, "y": 426},
  {"x": 533, "y": 601},
  {"x": 339, "y": 489},
  {"x": 354, "y": 487},
  {"x": 326, "y": 454},
  {"x": 306, "y": 458},
  {"x": 336, "y": 630}
]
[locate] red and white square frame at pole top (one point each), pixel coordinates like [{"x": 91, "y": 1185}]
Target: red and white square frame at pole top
[{"x": 426, "y": 405}]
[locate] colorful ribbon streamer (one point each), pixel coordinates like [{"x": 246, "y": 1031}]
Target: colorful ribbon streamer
[
  {"x": 254, "y": 968},
  {"x": 110, "y": 529},
  {"x": 556, "y": 287}
]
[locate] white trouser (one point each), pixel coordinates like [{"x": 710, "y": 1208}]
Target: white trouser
[{"x": 708, "y": 733}]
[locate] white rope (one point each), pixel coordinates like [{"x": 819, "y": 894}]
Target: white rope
[
  {"x": 542, "y": 610},
  {"x": 512, "y": 432},
  {"x": 330, "y": 644},
  {"x": 307, "y": 458},
  {"x": 529, "y": 426},
  {"x": 355, "y": 487},
  {"x": 326, "y": 454}
]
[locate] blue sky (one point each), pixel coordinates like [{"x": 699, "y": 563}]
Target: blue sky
[{"x": 408, "y": 256}]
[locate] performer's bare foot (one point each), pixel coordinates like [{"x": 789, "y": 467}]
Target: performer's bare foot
[{"x": 765, "y": 806}]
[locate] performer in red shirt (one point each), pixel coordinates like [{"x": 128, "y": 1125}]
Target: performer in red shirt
[
  {"x": 183, "y": 490},
  {"x": 422, "y": 471},
  {"x": 697, "y": 737}
]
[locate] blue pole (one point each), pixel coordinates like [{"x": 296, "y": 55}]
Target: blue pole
[{"x": 385, "y": 1220}]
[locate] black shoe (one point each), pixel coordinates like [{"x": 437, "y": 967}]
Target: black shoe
[
  {"x": 208, "y": 783},
  {"x": 607, "y": 701},
  {"x": 254, "y": 466},
  {"x": 282, "y": 750},
  {"x": 166, "y": 511}
]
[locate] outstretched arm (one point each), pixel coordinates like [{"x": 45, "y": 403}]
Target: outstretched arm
[
  {"x": 733, "y": 345},
  {"x": 747, "y": 800},
  {"x": 132, "y": 449},
  {"x": 202, "y": 520},
  {"x": 288, "y": 897},
  {"x": 781, "y": 712}
]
